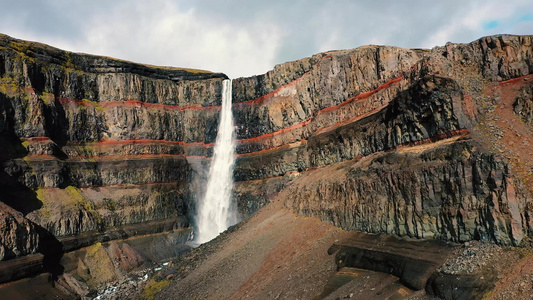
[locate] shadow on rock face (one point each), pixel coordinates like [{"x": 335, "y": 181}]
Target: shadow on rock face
[
  {"x": 14, "y": 193},
  {"x": 52, "y": 249}
]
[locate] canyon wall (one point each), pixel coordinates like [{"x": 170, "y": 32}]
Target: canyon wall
[
  {"x": 91, "y": 144},
  {"x": 423, "y": 143},
  {"x": 385, "y": 139}
]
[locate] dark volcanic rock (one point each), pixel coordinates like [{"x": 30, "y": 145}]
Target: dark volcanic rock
[
  {"x": 413, "y": 261},
  {"x": 449, "y": 192},
  {"x": 473, "y": 286},
  {"x": 18, "y": 236},
  {"x": 332, "y": 79},
  {"x": 21, "y": 267},
  {"x": 387, "y": 109},
  {"x": 92, "y": 143},
  {"x": 523, "y": 106},
  {"x": 378, "y": 139}
]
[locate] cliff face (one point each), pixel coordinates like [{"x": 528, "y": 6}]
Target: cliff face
[
  {"x": 92, "y": 143},
  {"x": 18, "y": 236},
  {"x": 410, "y": 142},
  {"x": 423, "y": 143}
]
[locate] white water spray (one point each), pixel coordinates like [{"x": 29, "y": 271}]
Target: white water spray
[{"x": 216, "y": 212}]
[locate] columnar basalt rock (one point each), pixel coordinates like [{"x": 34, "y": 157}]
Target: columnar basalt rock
[
  {"x": 356, "y": 104},
  {"x": 92, "y": 143},
  {"x": 523, "y": 106},
  {"x": 331, "y": 79},
  {"x": 446, "y": 191},
  {"x": 18, "y": 236},
  {"x": 379, "y": 139}
]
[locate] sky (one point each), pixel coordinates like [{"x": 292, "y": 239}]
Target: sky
[{"x": 244, "y": 38}]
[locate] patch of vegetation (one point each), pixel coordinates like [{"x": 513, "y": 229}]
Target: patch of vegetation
[
  {"x": 22, "y": 50},
  {"x": 9, "y": 89},
  {"x": 19, "y": 46},
  {"x": 69, "y": 64},
  {"x": 110, "y": 204},
  {"x": 94, "y": 104},
  {"x": 88, "y": 206},
  {"x": 41, "y": 196},
  {"x": 91, "y": 250},
  {"x": 48, "y": 98},
  {"x": 75, "y": 195},
  {"x": 153, "y": 287},
  {"x": 86, "y": 150}
]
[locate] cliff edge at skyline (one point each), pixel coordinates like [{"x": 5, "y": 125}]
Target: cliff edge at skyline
[{"x": 103, "y": 161}]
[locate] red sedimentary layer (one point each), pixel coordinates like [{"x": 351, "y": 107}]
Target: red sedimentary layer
[
  {"x": 350, "y": 120},
  {"x": 136, "y": 103},
  {"x": 103, "y": 158},
  {"x": 147, "y": 141},
  {"x": 359, "y": 97},
  {"x": 126, "y": 157},
  {"x": 362, "y": 96},
  {"x": 289, "y": 145},
  {"x": 263, "y": 137},
  {"x": 277, "y": 132},
  {"x": 516, "y": 80},
  {"x": 36, "y": 138},
  {"x": 433, "y": 139},
  {"x": 196, "y": 156},
  {"x": 271, "y": 94}
]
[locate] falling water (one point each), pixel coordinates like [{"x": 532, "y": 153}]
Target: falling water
[{"x": 216, "y": 212}]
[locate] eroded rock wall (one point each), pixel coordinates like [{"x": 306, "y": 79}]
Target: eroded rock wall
[
  {"x": 91, "y": 143},
  {"x": 415, "y": 127},
  {"x": 447, "y": 191},
  {"x": 18, "y": 236}
]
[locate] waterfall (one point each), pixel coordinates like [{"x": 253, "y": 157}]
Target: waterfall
[{"x": 216, "y": 211}]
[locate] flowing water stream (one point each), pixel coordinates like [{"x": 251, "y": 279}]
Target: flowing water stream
[{"x": 216, "y": 211}]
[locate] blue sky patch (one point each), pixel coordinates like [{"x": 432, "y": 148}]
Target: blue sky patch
[
  {"x": 525, "y": 18},
  {"x": 489, "y": 25}
]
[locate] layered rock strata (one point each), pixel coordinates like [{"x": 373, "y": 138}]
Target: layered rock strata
[
  {"x": 92, "y": 144},
  {"x": 429, "y": 144},
  {"x": 18, "y": 236},
  {"x": 408, "y": 130}
]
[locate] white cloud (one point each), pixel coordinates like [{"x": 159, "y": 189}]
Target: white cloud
[
  {"x": 242, "y": 38},
  {"x": 169, "y": 35},
  {"x": 469, "y": 23}
]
